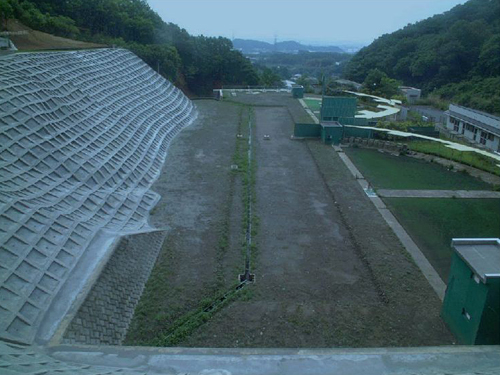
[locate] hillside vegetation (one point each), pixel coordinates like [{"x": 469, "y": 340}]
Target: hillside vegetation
[
  {"x": 454, "y": 55},
  {"x": 196, "y": 63},
  {"x": 313, "y": 64}
]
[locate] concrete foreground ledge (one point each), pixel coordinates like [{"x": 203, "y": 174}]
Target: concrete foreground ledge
[
  {"x": 424, "y": 360},
  {"x": 86, "y": 360}
]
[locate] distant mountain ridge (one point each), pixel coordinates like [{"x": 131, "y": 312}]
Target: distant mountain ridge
[{"x": 249, "y": 46}]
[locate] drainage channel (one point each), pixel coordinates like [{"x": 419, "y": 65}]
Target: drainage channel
[{"x": 247, "y": 276}]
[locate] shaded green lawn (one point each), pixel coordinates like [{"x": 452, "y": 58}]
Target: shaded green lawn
[
  {"x": 385, "y": 171},
  {"x": 432, "y": 223},
  {"x": 314, "y": 105}
]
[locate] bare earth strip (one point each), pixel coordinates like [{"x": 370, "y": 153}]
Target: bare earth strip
[
  {"x": 38, "y": 40},
  {"x": 329, "y": 271},
  {"x": 195, "y": 186}
]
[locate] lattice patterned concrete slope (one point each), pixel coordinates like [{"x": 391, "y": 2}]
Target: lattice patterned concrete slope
[{"x": 83, "y": 135}]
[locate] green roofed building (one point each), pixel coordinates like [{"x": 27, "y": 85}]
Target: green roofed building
[{"x": 471, "y": 305}]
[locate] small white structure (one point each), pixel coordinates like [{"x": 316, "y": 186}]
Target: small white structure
[
  {"x": 475, "y": 126},
  {"x": 412, "y": 94}
]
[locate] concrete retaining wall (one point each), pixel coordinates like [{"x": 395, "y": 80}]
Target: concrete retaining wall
[
  {"x": 377, "y": 143},
  {"x": 104, "y": 316}
]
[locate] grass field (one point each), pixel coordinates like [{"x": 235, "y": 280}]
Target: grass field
[
  {"x": 432, "y": 223},
  {"x": 385, "y": 171},
  {"x": 314, "y": 105}
]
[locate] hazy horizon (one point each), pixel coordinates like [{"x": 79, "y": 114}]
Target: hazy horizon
[{"x": 313, "y": 22}]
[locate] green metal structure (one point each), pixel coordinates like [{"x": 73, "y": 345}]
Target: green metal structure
[
  {"x": 471, "y": 306},
  {"x": 307, "y": 130},
  {"x": 335, "y": 113},
  {"x": 331, "y": 132},
  {"x": 298, "y": 92},
  {"x": 335, "y": 107}
]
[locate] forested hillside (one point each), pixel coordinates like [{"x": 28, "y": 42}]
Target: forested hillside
[
  {"x": 195, "y": 63},
  {"x": 313, "y": 64},
  {"x": 250, "y": 46},
  {"x": 454, "y": 55}
]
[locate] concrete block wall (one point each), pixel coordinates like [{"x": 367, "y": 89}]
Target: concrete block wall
[
  {"x": 104, "y": 316},
  {"x": 83, "y": 136}
]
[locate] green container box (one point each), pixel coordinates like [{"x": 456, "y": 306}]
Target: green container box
[
  {"x": 331, "y": 133},
  {"x": 298, "y": 92},
  {"x": 471, "y": 306}
]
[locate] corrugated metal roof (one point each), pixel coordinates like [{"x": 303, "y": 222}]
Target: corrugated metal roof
[{"x": 482, "y": 255}]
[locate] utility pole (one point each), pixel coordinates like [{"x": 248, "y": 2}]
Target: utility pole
[{"x": 323, "y": 87}]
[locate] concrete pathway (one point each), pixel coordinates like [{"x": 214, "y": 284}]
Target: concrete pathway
[
  {"x": 473, "y": 194},
  {"x": 420, "y": 260},
  {"x": 120, "y": 360}
]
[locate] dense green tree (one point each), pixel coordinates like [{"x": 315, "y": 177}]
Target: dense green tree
[
  {"x": 202, "y": 63},
  {"x": 444, "y": 51},
  {"x": 270, "y": 78},
  {"x": 378, "y": 83}
]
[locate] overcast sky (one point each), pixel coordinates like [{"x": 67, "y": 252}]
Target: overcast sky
[{"x": 307, "y": 21}]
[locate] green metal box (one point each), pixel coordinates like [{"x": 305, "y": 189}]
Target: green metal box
[
  {"x": 471, "y": 306},
  {"x": 331, "y": 132},
  {"x": 298, "y": 92}
]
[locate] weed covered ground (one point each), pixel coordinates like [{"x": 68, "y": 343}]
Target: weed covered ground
[
  {"x": 468, "y": 158},
  {"x": 386, "y": 171},
  {"x": 432, "y": 223},
  {"x": 329, "y": 271}
]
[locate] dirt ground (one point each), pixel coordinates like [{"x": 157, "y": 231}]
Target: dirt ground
[
  {"x": 38, "y": 40},
  {"x": 329, "y": 271},
  {"x": 197, "y": 199}
]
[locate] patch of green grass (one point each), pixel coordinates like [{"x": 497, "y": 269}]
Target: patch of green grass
[
  {"x": 247, "y": 172},
  {"x": 385, "y": 171},
  {"x": 314, "y": 105},
  {"x": 432, "y": 223},
  {"x": 187, "y": 324},
  {"x": 465, "y": 157}
]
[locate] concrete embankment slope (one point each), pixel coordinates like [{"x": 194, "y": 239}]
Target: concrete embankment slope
[{"x": 83, "y": 135}]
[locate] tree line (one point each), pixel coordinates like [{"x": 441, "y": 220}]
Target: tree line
[{"x": 195, "y": 63}]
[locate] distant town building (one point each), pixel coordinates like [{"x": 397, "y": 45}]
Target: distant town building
[
  {"x": 411, "y": 93},
  {"x": 475, "y": 126}
]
